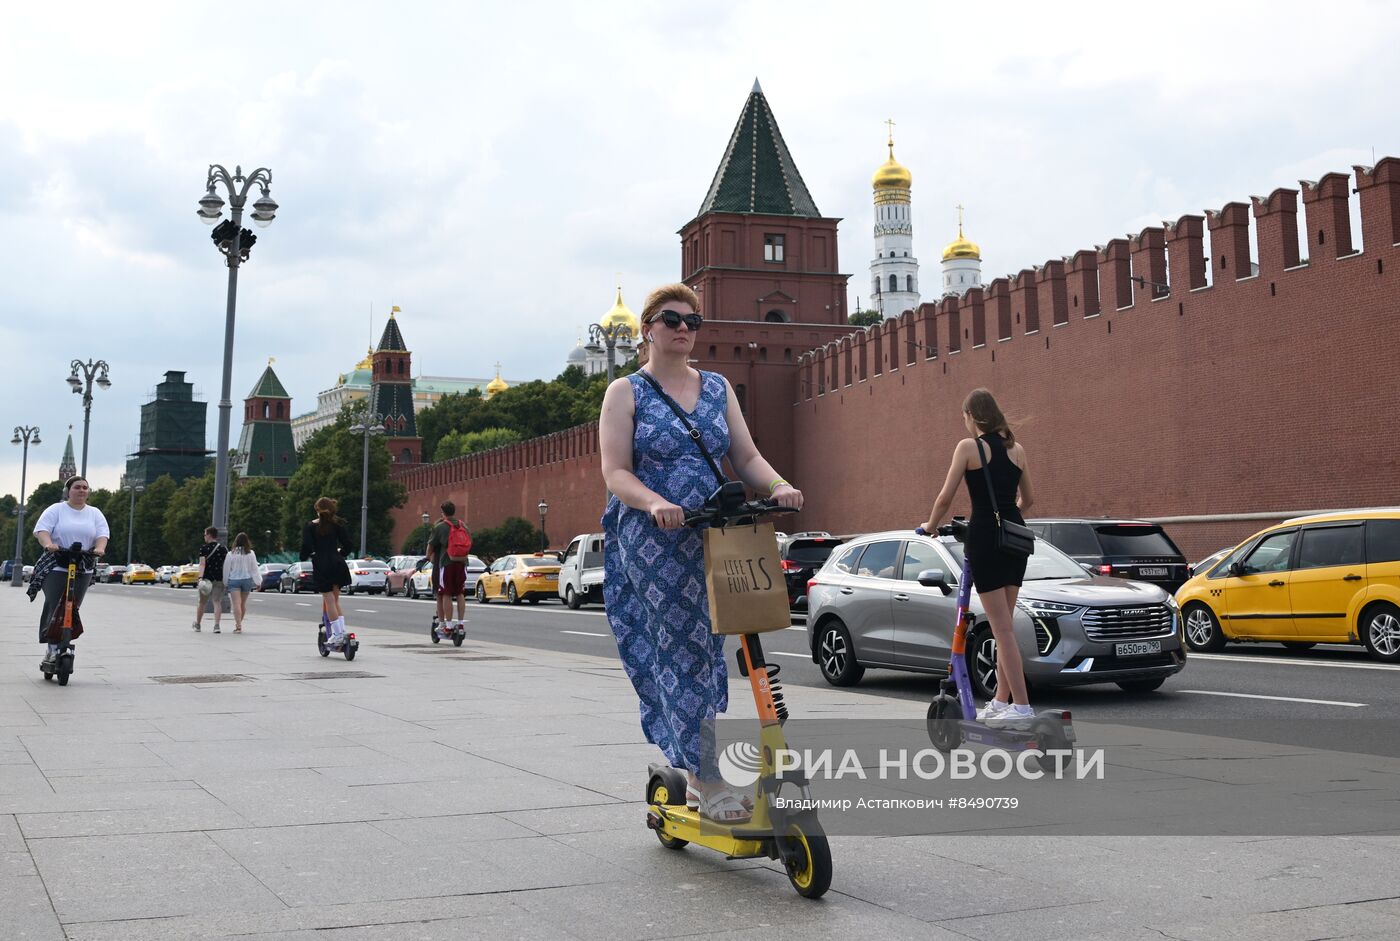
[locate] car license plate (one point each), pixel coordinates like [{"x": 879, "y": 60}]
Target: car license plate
[
  {"x": 1158, "y": 572},
  {"x": 1138, "y": 649}
]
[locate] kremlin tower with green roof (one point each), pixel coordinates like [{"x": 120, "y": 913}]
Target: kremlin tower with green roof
[{"x": 265, "y": 448}]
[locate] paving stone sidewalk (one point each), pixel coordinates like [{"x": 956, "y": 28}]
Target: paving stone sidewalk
[{"x": 196, "y": 785}]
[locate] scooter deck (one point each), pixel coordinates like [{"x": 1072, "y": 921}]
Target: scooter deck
[
  {"x": 979, "y": 734},
  {"x": 682, "y": 823}
]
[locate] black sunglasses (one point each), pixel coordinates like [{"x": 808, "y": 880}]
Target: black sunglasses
[{"x": 674, "y": 319}]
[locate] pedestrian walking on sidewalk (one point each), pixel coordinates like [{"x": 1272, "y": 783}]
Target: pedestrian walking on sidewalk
[
  {"x": 449, "y": 549},
  {"x": 325, "y": 541},
  {"x": 654, "y": 581},
  {"x": 241, "y": 569},
  {"x": 69, "y": 521},
  {"x": 211, "y": 577},
  {"x": 993, "y": 463}
]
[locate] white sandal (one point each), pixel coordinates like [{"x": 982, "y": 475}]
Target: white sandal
[
  {"x": 692, "y": 797},
  {"x": 723, "y": 807}
]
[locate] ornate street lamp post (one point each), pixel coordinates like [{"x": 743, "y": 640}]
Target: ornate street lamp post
[
  {"x": 544, "y": 508},
  {"x": 25, "y": 435},
  {"x": 372, "y": 426},
  {"x": 83, "y": 386},
  {"x": 235, "y": 242},
  {"x": 601, "y": 337}
]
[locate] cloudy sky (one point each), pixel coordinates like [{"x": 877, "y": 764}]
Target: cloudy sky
[{"x": 490, "y": 168}]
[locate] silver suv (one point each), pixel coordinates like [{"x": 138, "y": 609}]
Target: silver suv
[{"x": 867, "y": 609}]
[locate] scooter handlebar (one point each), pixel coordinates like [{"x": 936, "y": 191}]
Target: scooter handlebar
[
  {"x": 956, "y": 529},
  {"x": 750, "y": 509}
]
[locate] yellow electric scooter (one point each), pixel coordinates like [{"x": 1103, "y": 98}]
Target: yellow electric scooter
[{"x": 793, "y": 836}]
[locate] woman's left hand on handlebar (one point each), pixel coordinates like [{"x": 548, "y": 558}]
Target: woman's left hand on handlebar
[{"x": 788, "y": 496}]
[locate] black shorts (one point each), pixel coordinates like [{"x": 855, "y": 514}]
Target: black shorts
[{"x": 331, "y": 576}]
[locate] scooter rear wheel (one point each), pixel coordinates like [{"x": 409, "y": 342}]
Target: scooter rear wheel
[
  {"x": 807, "y": 858},
  {"x": 667, "y": 789},
  {"x": 457, "y": 639}
]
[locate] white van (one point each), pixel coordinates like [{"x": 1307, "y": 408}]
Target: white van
[{"x": 581, "y": 572}]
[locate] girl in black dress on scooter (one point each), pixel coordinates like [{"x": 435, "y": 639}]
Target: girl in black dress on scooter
[{"x": 996, "y": 575}]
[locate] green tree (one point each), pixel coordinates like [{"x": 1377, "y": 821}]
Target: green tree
[
  {"x": 40, "y": 499},
  {"x": 331, "y": 466},
  {"x": 8, "y": 521},
  {"x": 115, "y": 506},
  {"x": 459, "y": 443},
  {"x": 865, "y": 318},
  {"x": 513, "y": 535},
  {"x": 574, "y": 377},
  {"x": 149, "y": 526},
  {"x": 459, "y": 411},
  {"x": 188, "y": 512},
  {"x": 256, "y": 509},
  {"x": 417, "y": 541}
]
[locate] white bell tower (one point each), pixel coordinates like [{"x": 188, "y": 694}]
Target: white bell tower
[{"x": 894, "y": 271}]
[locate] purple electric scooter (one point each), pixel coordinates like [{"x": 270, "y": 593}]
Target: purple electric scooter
[{"x": 952, "y": 716}]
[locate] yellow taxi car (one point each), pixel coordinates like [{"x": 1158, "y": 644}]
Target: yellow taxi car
[
  {"x": 138, "y": 574},
  {"x": 186, "y": 576},
  {"x": 519, "y": 578},
  {"x": 1333, "y": 578}
]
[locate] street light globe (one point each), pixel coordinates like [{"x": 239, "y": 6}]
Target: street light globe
[
  {"x": 211, "y": 206},
  {"x": 15, "y": 439},
  {"x": 264, "y": 211},
  {"x": 544, "y": 508},
  {"x": 103, "y": 382},
  {"x": 75, "y": 382}
]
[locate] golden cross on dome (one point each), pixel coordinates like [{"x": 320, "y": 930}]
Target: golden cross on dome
[
  {"x": 959, "y": 208},
  {"x": 889, "y": 123}
]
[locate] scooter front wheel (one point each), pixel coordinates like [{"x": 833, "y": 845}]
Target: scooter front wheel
[
  {"x": 943, "y": 729},
  {"x": 807, "y": 857},
  {"x": 321, "y": 642}
]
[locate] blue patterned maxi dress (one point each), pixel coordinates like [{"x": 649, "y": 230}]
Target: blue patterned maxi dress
[{"x": 654, "y": 579}]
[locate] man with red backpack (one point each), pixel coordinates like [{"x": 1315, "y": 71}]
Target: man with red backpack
[{"x": 449, "y": 549}]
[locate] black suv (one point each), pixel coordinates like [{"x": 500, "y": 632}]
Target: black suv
[
  {"x": 802, "y": 554},
  {"x": 1131, "y": 549}
]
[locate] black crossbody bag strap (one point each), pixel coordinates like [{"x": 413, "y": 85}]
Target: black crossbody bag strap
[
  {"x": 689, "y": 428},
  {"x": 987, "y": 476}
]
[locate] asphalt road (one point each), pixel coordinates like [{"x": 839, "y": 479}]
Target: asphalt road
[{"x": 1326, "y": 685}]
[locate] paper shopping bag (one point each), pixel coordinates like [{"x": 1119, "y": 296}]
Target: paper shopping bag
[{"x": 744, "y": 580}]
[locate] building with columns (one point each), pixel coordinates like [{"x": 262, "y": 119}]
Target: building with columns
[{"x": 894, "y": 271}]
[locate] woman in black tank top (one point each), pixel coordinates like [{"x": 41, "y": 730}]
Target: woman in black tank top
[{"x": 996, "y": 575}]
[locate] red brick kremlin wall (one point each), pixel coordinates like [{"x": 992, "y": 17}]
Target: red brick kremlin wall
[
  {"x": 1271, "y": 393},
  {"x": 1275, "y": 392}
]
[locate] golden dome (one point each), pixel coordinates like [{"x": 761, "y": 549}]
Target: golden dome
[
  {"x": 496, "y": 385},
  {"x": 621, "y": 316},
  {"x": 368, "y": 361},
  {"x": 961, "y": 247},
  {"x": 892, "y": 174}
]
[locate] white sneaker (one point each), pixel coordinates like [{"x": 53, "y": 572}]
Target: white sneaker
[
  {"x": 1016, "y": 717},
  {"x": 993, "y": 708}
]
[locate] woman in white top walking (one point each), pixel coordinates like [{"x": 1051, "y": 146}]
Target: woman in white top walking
[{"x": 240, "y": 574}]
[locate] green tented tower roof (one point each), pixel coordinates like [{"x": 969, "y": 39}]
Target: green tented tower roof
[
  {"x": 269, "y": 386},
  {"x": 392, "y": 338},
  {"x": 757, "y": 174}
]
